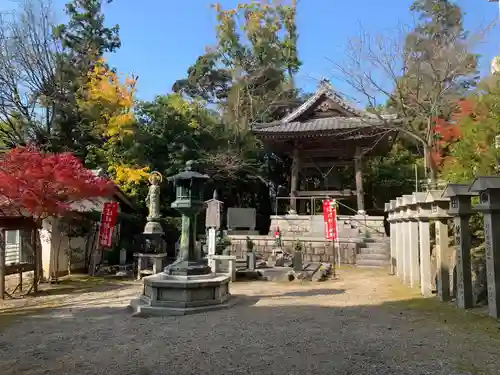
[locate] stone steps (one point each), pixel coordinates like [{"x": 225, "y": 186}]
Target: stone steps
[
  {"x": 374, "y": 250},
  {"x": 374, "y": 254},
  {"x": 372, "y": 257},
  {"x": 372, "y": 263}
]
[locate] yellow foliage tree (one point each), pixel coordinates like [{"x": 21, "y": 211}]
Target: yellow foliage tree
[{"x": 108, "y": 104}]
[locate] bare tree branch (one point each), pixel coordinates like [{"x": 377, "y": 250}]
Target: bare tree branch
[{"x": 28, "y": 84}]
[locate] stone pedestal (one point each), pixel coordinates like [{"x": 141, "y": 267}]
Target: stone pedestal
[{"x": 181, "y": 295}]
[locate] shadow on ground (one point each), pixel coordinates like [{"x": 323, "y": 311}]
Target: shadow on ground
[{"x": 258, "y": 335}]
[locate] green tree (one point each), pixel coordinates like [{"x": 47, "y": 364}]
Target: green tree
[
  {"x": 252, "y": 65},
  {"x": 84, "y": 39}
]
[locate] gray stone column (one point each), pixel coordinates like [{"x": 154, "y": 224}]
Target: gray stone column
[
  {"x": 439, "y": 206},
  {"x": 489, "y": 204},
  {"x": 390, "y": 207},
  {"x": 358, "y": 170},
  {"x": 405, "y": 242},
  {"x": 400, "y": 225},
  {"x": 461, "y": 209},
  {"x": 423, "y": 212},
  {"x": 413, "y": 266}
]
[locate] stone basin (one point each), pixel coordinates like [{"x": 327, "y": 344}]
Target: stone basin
[{"x": 165, "y": 294}]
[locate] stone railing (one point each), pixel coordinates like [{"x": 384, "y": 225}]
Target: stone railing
[
  {"x": 411, "y": 217},
  {"x": 314, "y": 249}
]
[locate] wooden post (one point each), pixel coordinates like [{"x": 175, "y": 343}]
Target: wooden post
[
  {"x": 37, "y": 253},
  {"x": 2, "y": 263},
  {"x": 358, "y": 169},
  {"x": 294, "y": 180}
]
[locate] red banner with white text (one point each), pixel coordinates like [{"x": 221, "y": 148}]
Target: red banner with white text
[
  {"x": 109, "y": 215},
  {"x": 330, "y": 219}
]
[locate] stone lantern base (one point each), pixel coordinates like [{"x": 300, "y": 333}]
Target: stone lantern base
[{"x": 166, "y": 295}]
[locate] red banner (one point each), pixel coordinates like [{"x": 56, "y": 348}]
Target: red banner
[
  {"x": 108, "y": 220},
  {"x": 330, "y": 219}
]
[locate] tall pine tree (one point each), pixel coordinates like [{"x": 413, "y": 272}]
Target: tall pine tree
[{"x": 85, "y": 39}]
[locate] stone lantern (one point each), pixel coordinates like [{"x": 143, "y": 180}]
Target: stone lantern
[
  {"x": 439, "y": 207},
  {"x": 489, "y": 204},
  {"x": 188, "y": 285},
  {"x": 189, "y": 202},
  {"x": 461, "y": 210},
  {"x": 423, "y": 213}
]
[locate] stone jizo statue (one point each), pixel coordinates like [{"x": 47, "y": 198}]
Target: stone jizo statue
[{"x": 153, "y": 198}]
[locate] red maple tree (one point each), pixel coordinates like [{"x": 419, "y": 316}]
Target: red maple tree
[
  {"x": 44, "y": 184},
  {"x": 447, "y": 132}
]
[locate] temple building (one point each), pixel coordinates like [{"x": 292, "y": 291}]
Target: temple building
[{"x": 323, "y": 135}]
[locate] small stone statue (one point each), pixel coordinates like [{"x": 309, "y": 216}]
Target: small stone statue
[{"x": 153, "y": 198}]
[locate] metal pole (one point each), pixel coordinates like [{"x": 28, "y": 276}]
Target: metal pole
[{"x": 416, "y": 177}]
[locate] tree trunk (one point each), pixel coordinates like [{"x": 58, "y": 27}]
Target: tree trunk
[{"x": 431, "y": 169}]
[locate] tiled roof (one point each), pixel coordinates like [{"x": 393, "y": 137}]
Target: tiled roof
[
  {"x": 325, "y": 88},
  {"x": 317, "y": 125},
  {"x": 6, "y": 208}
]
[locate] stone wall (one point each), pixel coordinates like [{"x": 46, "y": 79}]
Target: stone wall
[
  {"x": 353, "y": 226},
  {"x": 315, "y": 249}
]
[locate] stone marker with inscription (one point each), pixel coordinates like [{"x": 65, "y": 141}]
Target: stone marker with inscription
[
  {"x": 461, "y": 210},
  {"x": 439, "y": 207},
  {"x": 489, "y": 204}
]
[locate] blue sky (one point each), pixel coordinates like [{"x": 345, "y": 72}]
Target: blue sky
[{"x": 162, "y": 38}]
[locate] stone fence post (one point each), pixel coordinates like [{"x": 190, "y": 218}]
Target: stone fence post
[
  {"x": 439, "y": 207},
  {"x": 461, "y": 210},
  {"x": 489, "y": 204},
  {"x": 423, "y": 212},
  {"x": 389, "y": 208},
  {"x": 412, "y": 248},
  {"x": 400, "y": 229}
]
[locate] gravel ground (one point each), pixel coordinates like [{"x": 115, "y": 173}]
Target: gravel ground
[{"x": 347, "y": 326}]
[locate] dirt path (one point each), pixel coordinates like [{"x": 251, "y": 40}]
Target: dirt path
[{"x": 356, "y": 325}]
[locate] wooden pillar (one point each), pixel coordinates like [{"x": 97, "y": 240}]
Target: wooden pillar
[
  {"x": 2, "y": 263},
  {"x": 358, "y": 170},
  {"x": 294, "y": 180}
]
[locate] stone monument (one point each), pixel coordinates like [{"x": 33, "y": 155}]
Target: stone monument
[
  {"x": 154, "y": 251},
  {"x": 188, "y": 285}
]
